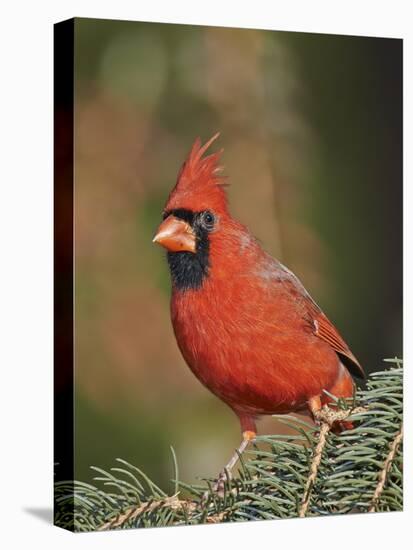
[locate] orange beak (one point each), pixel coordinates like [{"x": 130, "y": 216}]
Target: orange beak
[{"x": 176, "y": 235}]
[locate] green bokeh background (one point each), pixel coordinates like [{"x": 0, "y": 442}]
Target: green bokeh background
[{"x": 311, "y": 128}]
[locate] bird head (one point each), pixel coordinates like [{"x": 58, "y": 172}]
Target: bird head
[{"x": 194, "y": 213}]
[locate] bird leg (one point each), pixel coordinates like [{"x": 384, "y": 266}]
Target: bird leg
[
  {"x": 249, "y": 432},
  {"x": 314, "y": 406},
  {"x": 226, "y": 472}
]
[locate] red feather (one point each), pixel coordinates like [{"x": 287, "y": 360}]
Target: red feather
[
  {"x": 251, "y": 333},
  {"x": 200, "y": 185}
]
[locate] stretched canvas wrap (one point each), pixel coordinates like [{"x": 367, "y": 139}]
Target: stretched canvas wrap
[{"x": 228, "y": 275}]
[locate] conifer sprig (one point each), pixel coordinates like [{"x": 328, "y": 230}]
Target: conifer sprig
[{"x": 359, "y": 470}]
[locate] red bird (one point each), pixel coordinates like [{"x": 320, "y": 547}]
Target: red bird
[{"x": 244, "y": 323}]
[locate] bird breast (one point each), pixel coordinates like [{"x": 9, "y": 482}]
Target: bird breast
[{"x": 247, "y": 349}]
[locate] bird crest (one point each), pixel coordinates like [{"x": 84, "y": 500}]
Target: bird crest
[{"x": 200, "y": 184}]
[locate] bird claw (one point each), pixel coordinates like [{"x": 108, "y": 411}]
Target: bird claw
[
  {"x": 331, "y": 416},
  {"x": 219, "y": 486},
  {"x": 226, "y": 473}
]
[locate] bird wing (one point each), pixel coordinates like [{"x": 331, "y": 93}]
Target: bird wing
[
  {"x": 324, "y": 329},
  {"x": 321, "y": 325}
]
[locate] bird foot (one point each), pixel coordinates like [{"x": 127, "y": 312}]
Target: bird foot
[
  {"x": 334, "y": 417},
  {"x": 219, "y": 486},
  {"x": 226, "y": 473}
]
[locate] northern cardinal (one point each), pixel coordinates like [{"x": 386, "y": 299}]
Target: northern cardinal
[{"x": 244, "y": 323}]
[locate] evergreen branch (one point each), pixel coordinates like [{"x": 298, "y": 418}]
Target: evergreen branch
[
  {"x": 172, "y": 502},
  {"x": 327, "y": 417},
  {"x": 311, "y": 472},
  {"x": 322, "y": 440},
  {"x": 386, "y": 468}
]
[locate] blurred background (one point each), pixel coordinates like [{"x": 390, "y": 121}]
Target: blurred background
[{"x": 311, "y": 128}]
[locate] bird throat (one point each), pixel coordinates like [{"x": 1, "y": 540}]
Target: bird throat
[{"x": 188, "y": 270}]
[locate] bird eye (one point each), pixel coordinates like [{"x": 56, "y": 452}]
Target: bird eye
[{"x": 208, "y": 220}]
